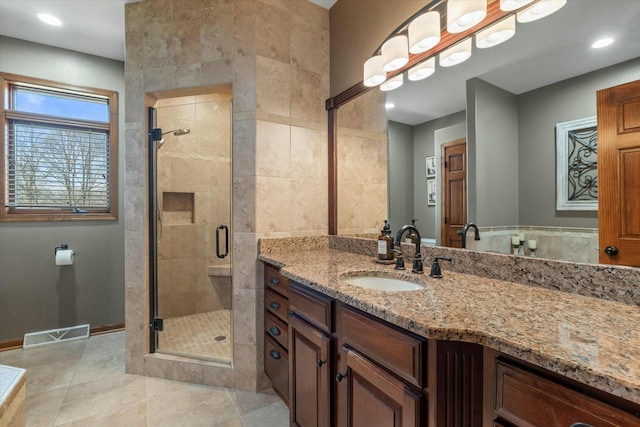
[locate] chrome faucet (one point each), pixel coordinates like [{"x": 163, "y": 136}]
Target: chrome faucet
[
  {"x": 463, "y": 232},
  {"x": 417, "y": 261}
]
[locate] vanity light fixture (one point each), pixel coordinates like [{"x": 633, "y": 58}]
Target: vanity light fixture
[
  {"x": 602, "y": 43},
  {"x": 392, "y": 83},
  {"x": 540, "y": 10},
  {"x": 424, "y": 32},
  {"x": 464, "y": 14},
  {"x": 373, "y": 72},
  {"x": 49, "y": 19},
  {"x": 422, "y": 70},
  {"x": 456, "y": 54},
  {"x": 508, "y": 5},
  {"x": 395, "y": 53},
  {"x": 497, "y": 33}
]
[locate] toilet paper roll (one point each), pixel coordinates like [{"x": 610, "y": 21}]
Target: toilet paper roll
[{"x": 64, "y": 257}]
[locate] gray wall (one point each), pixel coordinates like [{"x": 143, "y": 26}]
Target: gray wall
[
  {"x": 35, "y": 294},
  {"x": 400, "y": 170},
  {"x": 424, "y": 145},
  {"x": 492, "y": 150},
  {"x": 539, "y": 111}
]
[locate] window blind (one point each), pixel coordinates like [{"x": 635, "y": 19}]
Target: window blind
[{"x": 57, "y": 166}]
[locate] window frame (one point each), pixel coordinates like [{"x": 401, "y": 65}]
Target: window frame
[{"x": 12, "y": 214}]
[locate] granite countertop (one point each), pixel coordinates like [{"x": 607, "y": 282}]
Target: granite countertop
[{"x": 591, "y": 340}]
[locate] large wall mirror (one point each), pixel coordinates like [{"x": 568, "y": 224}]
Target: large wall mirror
[{"x": 504, "y": 103}]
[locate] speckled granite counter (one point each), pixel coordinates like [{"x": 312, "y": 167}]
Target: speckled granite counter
[{"x": 591, "y": 340}]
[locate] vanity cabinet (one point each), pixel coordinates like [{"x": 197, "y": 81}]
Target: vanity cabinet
[
  {"x": 276, "y": 331},
  {"x": 311, "y": 361},
  {"x": 525, "y": 398}
]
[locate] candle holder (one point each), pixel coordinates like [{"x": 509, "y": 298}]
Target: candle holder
[
  {"x": 533, "y": 247},
  {"x": 521, "y": 247},
  {"x": 515, "y": 249}
]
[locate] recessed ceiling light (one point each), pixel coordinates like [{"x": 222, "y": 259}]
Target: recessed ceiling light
[
  {"x": 49, "y": 19},
  {"x": 389, "y": 105},
  {"x": 602, "y": 43}
]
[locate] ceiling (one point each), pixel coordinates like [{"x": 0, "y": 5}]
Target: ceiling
[
  {"x": 543, "y": 52},
  {"x": 559, "y": 45},
  {"x": 90, "y": 26}
]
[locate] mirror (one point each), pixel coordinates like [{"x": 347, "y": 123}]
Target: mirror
[{"x": 505, "y": 101}]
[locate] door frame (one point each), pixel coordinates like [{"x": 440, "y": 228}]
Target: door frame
[{"x": 443, "y": 147}]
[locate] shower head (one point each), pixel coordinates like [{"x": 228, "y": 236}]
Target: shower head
[{"x": 157, "y": 134}]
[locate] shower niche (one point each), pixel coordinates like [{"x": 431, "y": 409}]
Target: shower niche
[
  {"x": 192, "y": 201},
  {"x": 178, "y": 208}
]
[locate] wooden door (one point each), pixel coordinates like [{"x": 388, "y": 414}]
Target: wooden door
[
  {"x": 309, "y": 375},
  {"x": 377, "y": 398},
  {"x": 454, "y": 192},
  {"x": 619, "y": 174}
]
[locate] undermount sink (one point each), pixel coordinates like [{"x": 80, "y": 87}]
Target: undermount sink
[{"x": 382, "y": 283}]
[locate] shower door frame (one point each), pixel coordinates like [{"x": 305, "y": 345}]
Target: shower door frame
[{"x": 153, "y": 231}]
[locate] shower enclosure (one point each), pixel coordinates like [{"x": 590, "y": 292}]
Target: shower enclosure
[{"x": 190, "y": 244}]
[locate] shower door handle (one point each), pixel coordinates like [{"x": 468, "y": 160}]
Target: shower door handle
[{"x": 226, "y": 241}]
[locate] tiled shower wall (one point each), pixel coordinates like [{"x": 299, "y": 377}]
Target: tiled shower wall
[
  {"x": 194, "y": 190},
  {"x": 276, "y": 56}
]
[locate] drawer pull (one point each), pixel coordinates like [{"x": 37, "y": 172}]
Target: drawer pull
[
  {"x": 275, "y": 354},
  {"x": 579, "y": 424},
  {"x": 340, "y": 377},
  {"x": 274, "y": 331},
  {"x": 274, "y": 305},
  {"x": 320, "y": 363},
  {"x": 274, "y": 281}
]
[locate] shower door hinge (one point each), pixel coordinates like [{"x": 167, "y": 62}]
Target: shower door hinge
[{"x": 157, "y": 324}]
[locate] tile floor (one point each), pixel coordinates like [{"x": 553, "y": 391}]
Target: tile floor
[
  {"x": 198, "y": 335},
  {"x": 82, "y": 384}
]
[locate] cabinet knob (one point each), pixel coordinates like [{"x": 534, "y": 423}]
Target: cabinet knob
[
  {"x": 578, "y": 424},
  {"x": 611, "y": 250},
  {"x": 340, "y": 377},
  {"x": 320, "y": 363},
  {"x": 275, "y": 354},
  {"x": 274, "y": 305},
  {"x": 274, "y": 331},
  {"x": 274, "y": 280}
]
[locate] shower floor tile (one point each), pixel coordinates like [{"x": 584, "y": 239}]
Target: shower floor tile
[{"x": 199, "y": 335}]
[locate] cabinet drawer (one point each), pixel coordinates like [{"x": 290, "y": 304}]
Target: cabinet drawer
[
  {"x": 399, "y": 351},
  {"x": 312, "y": 306},
  {"x": 275, "y": 281},
  {"x": 276, "y": 366},
  {"x": 527, "y": 399},
  {"x": 277, "y": 329},
  {"x": 276, "y": 304}
]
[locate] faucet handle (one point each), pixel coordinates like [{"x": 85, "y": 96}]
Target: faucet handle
[
  {"x": 436, "y": 272},
  {"x": 399, "y": 260}
]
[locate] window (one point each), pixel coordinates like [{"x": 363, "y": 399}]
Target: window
[{"x": 59, "y": 151}]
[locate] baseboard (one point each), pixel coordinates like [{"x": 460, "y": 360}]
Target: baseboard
[{"x": 97, "y": 330}]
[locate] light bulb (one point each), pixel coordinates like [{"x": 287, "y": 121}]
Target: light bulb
[
  {"x": 456, "y": 54},
  {"x": 497, "y": 33},
  {"x": 422, "y": 70},
  {"x": 392, "y": 83}
]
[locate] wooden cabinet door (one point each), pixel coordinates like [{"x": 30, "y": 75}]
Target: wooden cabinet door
[
  {"x": 309, "y": 375},
  {"x": 458, "y": 384},
  {"x": 454, "y": 192},
  {"x": 375, "y": 397},
  {"x": 619, "y": 174}
]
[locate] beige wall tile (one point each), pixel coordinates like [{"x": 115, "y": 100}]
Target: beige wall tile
[
  {"x": 245, "y": 315},
  {"x": 308, "y": 153},
  {"x": 244, "y": 148},
  {"x": 273, "y": 30},
  {"x": 246, "y": 275},
  {"x": 310, "y": 49},
  {"x": 272, "y": 149},
  {"x": 244, "y": 84},
  {"x": 307, "y": 100},
  {"x": 244, "y": 33},
  {"x": 272, "y": 195},
  {"x": 245, "y": 361},
  {"x": 188, "y": 372},
  {"x": 273, "y": 86},
  {"x": 244, "y": 204},
  {"x": 216, "y": 376},
  {"x": 216, "y": 34},
  {"x": 308, "y": 205}
]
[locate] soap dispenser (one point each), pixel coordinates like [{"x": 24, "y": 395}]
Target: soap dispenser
[
  {"x": 385, "y": 243},
  {"x": 411, "y": 237}
]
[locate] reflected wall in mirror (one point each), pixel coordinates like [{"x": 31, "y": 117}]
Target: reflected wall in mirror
[{"x": 506, "y": 101}]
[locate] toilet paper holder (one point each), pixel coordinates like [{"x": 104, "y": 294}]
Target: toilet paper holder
[{"x": 62, "y": 247}]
